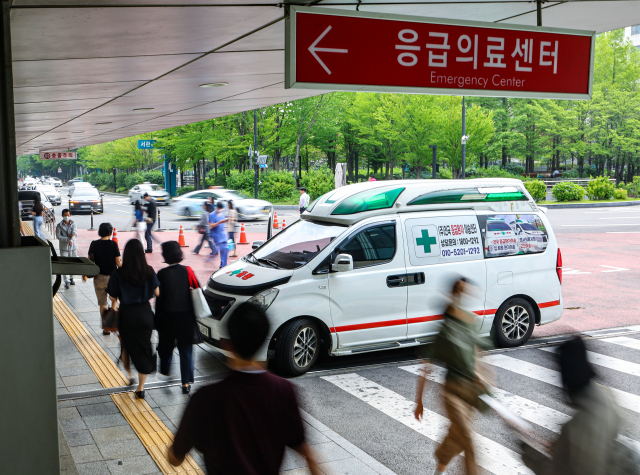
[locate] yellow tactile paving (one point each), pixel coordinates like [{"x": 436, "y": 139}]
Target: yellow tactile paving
[
  {"x": 155, "y": 436},
  {"x": 26, "y": 229}
]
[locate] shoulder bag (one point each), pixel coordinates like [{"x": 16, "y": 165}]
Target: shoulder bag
[{"x": 200, "y": 306}]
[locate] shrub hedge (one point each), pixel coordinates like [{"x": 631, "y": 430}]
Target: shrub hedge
[
  {"x": 600, "y": 189},
  {"x": 567, "y": 191}
]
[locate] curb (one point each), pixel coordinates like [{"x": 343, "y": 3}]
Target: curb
[{"x": 592, "y": 205}]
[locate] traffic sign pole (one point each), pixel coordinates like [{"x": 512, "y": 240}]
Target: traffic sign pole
[{"x": 255, "y": 148}]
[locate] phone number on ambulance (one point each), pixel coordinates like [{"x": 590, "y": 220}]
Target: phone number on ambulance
[{"x": 460, "y": 252}]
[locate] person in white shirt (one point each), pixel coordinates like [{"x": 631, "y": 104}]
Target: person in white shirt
[
  {"x": 304, "y": 200},
  {"x": 66, "y": 232}
]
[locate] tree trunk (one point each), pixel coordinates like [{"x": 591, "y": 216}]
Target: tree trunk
[
  {"x": 504, "y": 156},
  {"x": 357, "y": 169}
]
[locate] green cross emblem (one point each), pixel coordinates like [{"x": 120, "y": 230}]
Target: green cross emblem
[
  {"x": 426, "y": 241},
  {"x": 232, "y": 273}
]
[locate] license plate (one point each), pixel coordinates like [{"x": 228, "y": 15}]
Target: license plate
[
  {"x": 86, "y": 206},
  {"x": 204, "y": 330}
]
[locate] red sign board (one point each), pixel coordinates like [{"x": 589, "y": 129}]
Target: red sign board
[
  {"x": 355, "y": 51},
  {"x": 58, "y": 155}
]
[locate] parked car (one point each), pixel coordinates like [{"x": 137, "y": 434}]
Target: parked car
[
  {"x": 190, "y": 204},
  {"x": 27, "y": 197},
  {"x": 79, "y": 184},
  {"x": 52, "y": 194},
  {"x": 156, "y": 192},
  {"x": 85, "y": 199},
  {"x": 29, "y": 183},
  {"x": 369, "y": 265}
]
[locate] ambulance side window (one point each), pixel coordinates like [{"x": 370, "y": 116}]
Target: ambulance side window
[
  {"x": 372, "y": 246},
  {"x": 513, "y": 234}
]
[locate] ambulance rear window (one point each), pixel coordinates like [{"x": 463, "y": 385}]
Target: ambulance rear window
[{"x": 498, "y": 227}]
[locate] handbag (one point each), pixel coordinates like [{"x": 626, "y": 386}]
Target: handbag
[
  {"x": 200, "y": 306},
  {"x": 110, "y": 320},
  {"x": 232, "y": 244},
  {"x": 202, "y": 229}
]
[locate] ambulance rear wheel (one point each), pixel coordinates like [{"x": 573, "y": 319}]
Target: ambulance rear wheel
[
  {"x": 298, "y": 347},
  {"x": 514, "y": 322}
]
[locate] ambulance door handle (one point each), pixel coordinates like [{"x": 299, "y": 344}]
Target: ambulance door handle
[
  {"x": 418, "y": 278},
  {"x": 396, "y": 280}
]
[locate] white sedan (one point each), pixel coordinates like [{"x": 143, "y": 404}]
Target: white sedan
[
  {"x": 190, "y": 204},
  {"x": 158, "y": 193}
]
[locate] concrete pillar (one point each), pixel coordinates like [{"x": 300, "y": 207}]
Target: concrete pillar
[{"x": 28, "y": 400}]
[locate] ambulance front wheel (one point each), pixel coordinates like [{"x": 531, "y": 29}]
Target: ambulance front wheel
[
  {"x": 513, "y": 323},
  {"x": 298, "y": 347}
]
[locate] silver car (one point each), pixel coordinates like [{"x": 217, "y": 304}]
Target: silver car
[
  {"x": 190, "y": 204},
  {"x": 51, "y": 193},
  {"x": 158, "y": 193}
]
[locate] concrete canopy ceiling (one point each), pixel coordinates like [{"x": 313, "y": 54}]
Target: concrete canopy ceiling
[{"x": 81, "y": 67}]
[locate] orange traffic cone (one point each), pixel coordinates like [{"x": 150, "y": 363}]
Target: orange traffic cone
[
  {"x": 114, "y": 237},
  {"x": 243, "y": 235},
  {"x": 284, "y": 224},
  {"x": 181, "y": 238},
  {"x": 275, "y": 221}
]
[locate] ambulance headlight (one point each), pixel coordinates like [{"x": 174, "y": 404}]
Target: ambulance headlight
[{"x": 265, "y": 298}]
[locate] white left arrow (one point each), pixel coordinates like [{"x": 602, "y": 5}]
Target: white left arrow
[{"x": 313, "y": 49}]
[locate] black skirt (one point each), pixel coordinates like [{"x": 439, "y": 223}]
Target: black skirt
[{"x": 135, "y": 328}]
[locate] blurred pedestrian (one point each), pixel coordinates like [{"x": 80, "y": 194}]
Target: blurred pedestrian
[
  {"x": 588, "y": 443},
  {"x": 217, "y": 221},
  {"x": 205, "y": 230},
  {"x": 66, "y": 232},
  {"x": 38, "y": 220},
  {"x": 232, "y": 220},
  {"x": 371, "y": 178},
  {"x": 130, "y": 289},
  {"x": 175, "y": 318},
  {"x": 140, "y": 223},
  {"x": 105, "y": 254},
  {"x": 456, "y": 346},
  {"x": 152, "y": 215},
  {"x": 304, "y": 200},
  {"x": 243, "y": 423}
]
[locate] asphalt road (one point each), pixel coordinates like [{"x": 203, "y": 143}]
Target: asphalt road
[{"x": 119, "y": 212}]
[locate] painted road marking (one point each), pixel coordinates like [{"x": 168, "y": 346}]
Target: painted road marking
[
  {"x": 623, "y": 232},
  {"x": 622, "y": 217},
  {"x": 598, "y": 225},
  {"x": 529, "y": 410},
  {"x": 525, "y": 408},
  {"x": 624, "y": 341},
  {"x": 570, "y": 271},
  {"x": 610, "y": 362},
  {"x": 491, "y": 455},
  {"x": 530, "y": 370},
  {"x": 613, "y": 269}
]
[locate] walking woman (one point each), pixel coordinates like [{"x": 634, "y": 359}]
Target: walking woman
[
  {"x": 203, "y": 227},
  {"x": 175, "y": 318},
  {"x": 140, "y": 223},
  {"x": 130, "y": 289},
  {"x": 232, "y": 220},
  {"x": 38, "y": 220}
]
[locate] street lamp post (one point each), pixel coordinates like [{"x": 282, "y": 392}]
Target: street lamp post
[
  {"x": 464, "y": 141},
  {"x": 255, "y": 148}
]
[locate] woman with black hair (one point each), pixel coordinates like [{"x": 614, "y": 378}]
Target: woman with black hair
[
  {"x": 105, "y": 254},
  {"x": 588, "y": 443},
  {"x": 139, "y": 222},
  {"x": 38, "y": 219},
  {"x": 130, "y": 289},
  {"x": 175, "y": 318}
]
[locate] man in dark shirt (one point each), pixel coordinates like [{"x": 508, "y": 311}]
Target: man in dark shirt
[
  {"x": 243, "y": 423},
  {"x": 105, "y": 254},
  {"x": 152, "y": 213}
]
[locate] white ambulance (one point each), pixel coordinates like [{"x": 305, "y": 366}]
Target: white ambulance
[{"x": 369, "y": 265}]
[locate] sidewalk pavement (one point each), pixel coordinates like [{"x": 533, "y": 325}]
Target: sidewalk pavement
[{"x": 98, "y": 440}]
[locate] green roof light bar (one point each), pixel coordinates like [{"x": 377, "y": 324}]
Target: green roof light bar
[{"x": 368, "y": 201}]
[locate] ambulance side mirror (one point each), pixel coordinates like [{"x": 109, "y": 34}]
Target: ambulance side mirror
[
  {"x": 256, "y": 244},
  {"x": 342, "y": 263}
]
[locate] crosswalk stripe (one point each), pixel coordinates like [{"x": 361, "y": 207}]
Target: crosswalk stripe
[
  {"x": 525, "y": 408},
  {"x": 608, "y": 362},
  {"x": 540, "y": 373},
  {"x": 624, "y": 341},
  {"x": 490, "y": 455},
  {"x": 528, "y": 410}
]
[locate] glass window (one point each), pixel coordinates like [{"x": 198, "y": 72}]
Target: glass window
[
  {"x": 513, "y": 234},
  {"x": 368, "y": 201},
  {"x": 635, "y": 30},
  {"x": 297, "y": 245},
  {"x": 372, "y": 246}
]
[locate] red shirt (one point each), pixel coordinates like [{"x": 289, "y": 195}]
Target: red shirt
[{"x": 241, "y": 424}]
